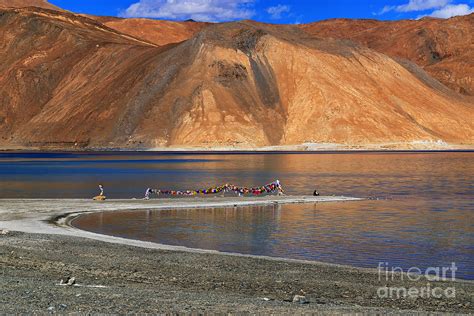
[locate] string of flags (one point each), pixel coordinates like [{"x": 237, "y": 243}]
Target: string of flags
[{"x": 272, "y": 187}]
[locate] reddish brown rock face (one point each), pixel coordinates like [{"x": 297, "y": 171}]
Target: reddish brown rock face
[
  {"x": 157, "y": 32},
  {"x": 27, "y": 3},
  {"x": 72, "y": 81},
  {"x": 444, "y": 48}
]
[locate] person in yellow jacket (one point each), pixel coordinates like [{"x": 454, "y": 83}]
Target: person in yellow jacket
[{"x": 101, "y": 196}]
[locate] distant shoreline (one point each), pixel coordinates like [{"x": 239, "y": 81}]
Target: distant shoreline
[
  {"x": 414, "y": 146},
  {"x": 237, "y": 151}
]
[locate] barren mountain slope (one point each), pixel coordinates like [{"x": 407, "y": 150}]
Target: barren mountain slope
[
  {"x": 156, "y": 31},
  {"x": 27, "y": 3},
  {"x": 261, "y": 85},
  {"x": 63, "y": 68},
  {"x": 444, "y": 48},
  {"x": 68, "y": 80}
]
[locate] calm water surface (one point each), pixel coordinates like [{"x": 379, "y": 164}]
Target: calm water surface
[{"x": 424, "y": 216}]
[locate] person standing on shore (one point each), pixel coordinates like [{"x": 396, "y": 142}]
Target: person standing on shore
[
  {"x": 279, "y": 187},
  {"x": 101, "y": 188},
  {"x": 148, "y": 192}
]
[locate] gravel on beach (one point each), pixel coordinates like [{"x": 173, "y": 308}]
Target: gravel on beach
[{"x": 112, "y": 278}]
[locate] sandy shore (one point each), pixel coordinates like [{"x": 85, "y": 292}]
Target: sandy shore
[{"x": 116, "y": 275}]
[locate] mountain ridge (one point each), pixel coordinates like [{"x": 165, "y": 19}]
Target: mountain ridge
[
  {"x": 443, "y": 47},
  {"x": 69, "y": 83},
  {"x": 28, "y": 3}
]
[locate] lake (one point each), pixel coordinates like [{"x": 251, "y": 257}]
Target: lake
[{"x": 420, "y": 212}]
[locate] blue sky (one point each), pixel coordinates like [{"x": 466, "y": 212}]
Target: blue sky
[{"x": 272, "y": 11}]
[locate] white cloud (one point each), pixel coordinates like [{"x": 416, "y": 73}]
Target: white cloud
[
  {"x": 452, "y": 10},
  {"x": 276, "y": 11},
  {"x": 200, "y": 10},
  {"x": 442, "y": 8},
  {"x": 422, "y": 5},
  {"x": 416, "y": 5},
  {"x": 386, "y": 9}
]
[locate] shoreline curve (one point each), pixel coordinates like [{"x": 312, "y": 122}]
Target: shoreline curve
[{"x": 52, "y": 216}]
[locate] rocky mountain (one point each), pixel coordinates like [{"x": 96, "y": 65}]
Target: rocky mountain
[
  {"x": 156, "y": 31},
  {"x": 27, "y": 3},
  {"x": 443, "y": 48},
  {"x": 72, "y": 81}
]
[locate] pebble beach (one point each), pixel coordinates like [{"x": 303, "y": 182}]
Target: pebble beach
[{"x": 50, "y": 267}]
